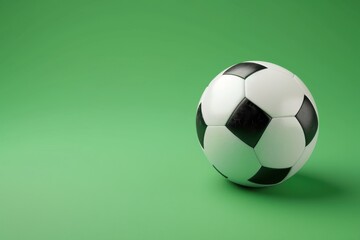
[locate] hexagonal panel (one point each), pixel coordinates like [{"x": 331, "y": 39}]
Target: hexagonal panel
[
  {"x": 277, "y": 93},
  {"x": 281, "y": 144},
  {"x": 230, "y": 155},
  {"x": 248, "y": 122},
  {"x": 222, "y": 96},
  {"x": 304, "y": 156}
]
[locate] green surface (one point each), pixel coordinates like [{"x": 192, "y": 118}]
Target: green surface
[{"x": 97, "y": 119}]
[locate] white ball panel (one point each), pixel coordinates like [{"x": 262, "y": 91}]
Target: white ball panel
[
  {"x": 273, "y": 66},
  {"x": 306, "y": 92},
  {"x": 281, "y": 144},
  {"x": 304, "y": 156},
  {"x": 274, "y": 92},
  {"x": 222, "y": 96},
  {"x": 230, "y": 155}
]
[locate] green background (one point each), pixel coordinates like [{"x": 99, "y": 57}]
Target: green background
[{"x": 97, "y": 119}]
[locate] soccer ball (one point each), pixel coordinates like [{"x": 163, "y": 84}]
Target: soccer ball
[{"x": 257, "y": 123}]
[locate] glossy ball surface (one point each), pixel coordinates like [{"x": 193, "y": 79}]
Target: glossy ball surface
[{"x": 257, "y": 123}]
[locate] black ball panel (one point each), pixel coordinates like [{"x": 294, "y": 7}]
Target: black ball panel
[
  {"x": 200, "y": 126},
  {"x": 267, "y": 176},
  {"x": 244, "y": 70},
  {"x": 308, "y": 120},
  {"x": 248, "y": 122}
]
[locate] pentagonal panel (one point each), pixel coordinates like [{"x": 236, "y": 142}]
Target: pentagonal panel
[
  {"x": 233, "y": 158},
  {"x": 281, "y": 144},
  {"x": 221, "y": 98},
  {"x": 306, "y": 91},
  {"x": 304, "y": 156},
  {"x": 248, "y": 122},
  {"x": 244, "y": 70},
  {"x": 308, "y": 120},
  {"x": 272, "y": 66},
  {"x": 277, "y": 93},
  {"x": 269, "y": 176},
  {"x": 200, "y": 126}
]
